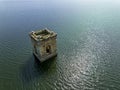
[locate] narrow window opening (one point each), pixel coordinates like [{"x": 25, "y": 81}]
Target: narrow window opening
[
  {"x": 48, "y": 49},
  {"x": 35, "y": 49}
]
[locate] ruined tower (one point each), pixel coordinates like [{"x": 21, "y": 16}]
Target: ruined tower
[{"x": 44, "y": 44}]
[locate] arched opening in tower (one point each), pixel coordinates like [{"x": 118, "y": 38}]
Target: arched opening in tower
[{"x": 48, "y": 49}]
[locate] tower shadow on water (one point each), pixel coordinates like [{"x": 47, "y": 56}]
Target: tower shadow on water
[{"x": 33, "y": 69}]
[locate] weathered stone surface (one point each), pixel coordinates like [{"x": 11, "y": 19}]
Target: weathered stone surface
[{"x": 44, "y": 44}]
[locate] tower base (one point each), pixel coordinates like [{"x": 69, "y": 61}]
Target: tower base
[{"x": 42, "y": 59}]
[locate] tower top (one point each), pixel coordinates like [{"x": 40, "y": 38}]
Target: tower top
[{"x": 41, "y": 35}]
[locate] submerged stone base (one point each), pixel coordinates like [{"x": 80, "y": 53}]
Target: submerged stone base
[{"x": 42, "y": 59}]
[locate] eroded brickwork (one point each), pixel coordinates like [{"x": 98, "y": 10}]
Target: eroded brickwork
[{"x": 44, "y": 44}]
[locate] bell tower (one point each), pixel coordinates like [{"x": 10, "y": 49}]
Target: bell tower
[{"x": 44, "y": 44}]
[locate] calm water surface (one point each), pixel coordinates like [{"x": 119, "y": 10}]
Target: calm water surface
[{"x": 88, "y": 45}]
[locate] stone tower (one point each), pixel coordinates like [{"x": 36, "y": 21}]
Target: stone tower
[{"x": 44, "y": 44}]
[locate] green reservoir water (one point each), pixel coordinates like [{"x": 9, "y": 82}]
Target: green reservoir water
[{"x": 88, "y": 45}]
